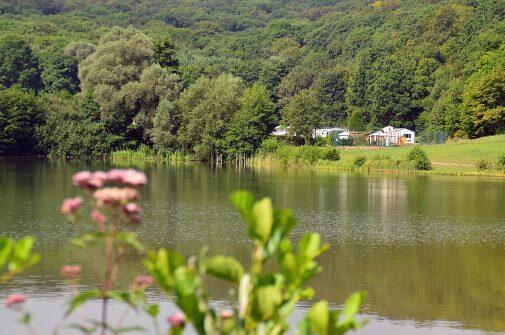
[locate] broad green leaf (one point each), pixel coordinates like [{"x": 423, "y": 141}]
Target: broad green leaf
[
  {"x": 22, "y": 248},
  {"x": 153, "y": 310},
  {"x": 303, "y": 327},
  {"x": 243, "y": 201},
  {"x": 263, "y": 218},
  {"x": 6, "y": 246},
  {"x": 224, "y": 267},
  {"x": 319, "y": 317},
  {"x": 353, "y": 304},
  {"x": 284, "y": 221},
  {"x": 244, "y": 293},
  {"x": 82, "y": 298},
  {"x": 266, "y": 301},
  {"x": 289, "y": 266}
]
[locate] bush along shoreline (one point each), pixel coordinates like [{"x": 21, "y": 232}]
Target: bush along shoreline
[{"x": 415, "y": 161}]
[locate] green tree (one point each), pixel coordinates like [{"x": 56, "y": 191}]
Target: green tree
[
  {"x": 165, "y": 54},
  {"x": 303, "y": 114},
  {"x": 59, "y": 71},
  {"x": 484, "y": 96},
  {"x": 252, "y": 123},
  {"x": 207, "y": 107},
  {"x": 18, "y": 65},
  {"x": 166, "y": 123},
  {"x": 71, "y": 127},
  {"x": 19, "y": 116},
  {"x": 126, "y": 82}
]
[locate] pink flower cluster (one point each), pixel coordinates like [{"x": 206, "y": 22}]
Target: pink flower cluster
[
  {"x": 144, "y": 281},
  {"x": 14, "y": 299},
  {"x": 94, "y": 180},
  {"x": 177, "y": 320},
  {"x": 71, "y": 205},
  {"x": 226, "y": 314},
  {"x": 113, "y": 196},
  {"x": 70, "y": 271}
]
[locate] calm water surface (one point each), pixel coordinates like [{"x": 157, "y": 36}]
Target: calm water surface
[{"x": 430, "y": 251}]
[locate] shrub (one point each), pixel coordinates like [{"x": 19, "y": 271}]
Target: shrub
[
  {"x": 331, "y": 154},
  {"x": 345, "y": 142},
  {"x": 501, "y": 162},
  {"x": 419, "y": 158},
  {"x": 359, "y": 161},
  {"x": 310, "y": 154},
  {"x": 483, "y": 165},
  {"x": 269, "y": 146}
]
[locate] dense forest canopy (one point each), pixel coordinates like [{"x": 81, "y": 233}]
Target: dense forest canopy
[{"x": 211, "y": 78}]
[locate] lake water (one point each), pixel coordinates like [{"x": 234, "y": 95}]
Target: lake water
[{"x": 430, "y": 251}]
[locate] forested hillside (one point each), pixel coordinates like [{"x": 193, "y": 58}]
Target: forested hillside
[{"x": 211, "y": 78}]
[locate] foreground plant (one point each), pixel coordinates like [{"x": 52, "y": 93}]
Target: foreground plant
[
  {"x": 265, "y": 297},
  {"x": 15, "y": 257},
  {"x": 112, "y": 196}
]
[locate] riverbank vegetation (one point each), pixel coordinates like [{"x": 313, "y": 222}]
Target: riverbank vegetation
[
  {"x": 484, "y": 156},
  {"x": 210, "y": 79},
  {"x": 260, "y": 299}
]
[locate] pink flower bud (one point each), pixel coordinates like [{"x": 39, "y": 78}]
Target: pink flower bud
[
  {"x": 97, "y": 216},
  {"x": 134, "y": 178},
  {"x": 14, "y": 299},
  {"x": 97, "y": 179},
  {"x": 131, "y": 208},
  {"x": 226, "y": 314},
  {"x": 177, "y": 320},
  {"x": 81, "y": 178},
  {"x": 71, "y": 205},
  {"x": 129, "y": 177},
  {"x": 115, "y": 176},
  {"x": 70, "y": 271},
  {"x": 144, "y": 281}
]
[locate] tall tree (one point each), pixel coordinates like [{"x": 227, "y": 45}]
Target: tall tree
[
  {"x": 19, "y": 116},
  {"x": 126, "y": 82},
  {"x": 252, "y": 123},
  {"x": 18, "y": 65},
  {"x": 207, "y": 107},
  {"x": 303, "y": 114}
]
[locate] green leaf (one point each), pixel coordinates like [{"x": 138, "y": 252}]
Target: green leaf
[
  {"x": 122, "y": 330},
  {"x": 319, "y": 317},
  {"x": 6, "y": 246},
  {"x": 353, "y": 304},
  {"x": 153, "y": 310},
  {"x": 162, "y": 266},
  {"x": 263, "y": 218},
  {"x": 122, "y": 296},
  {"x": 289, "y": 266},
  {"x": 23, "y": 248},
  {"x": 266, "y": 301},
  {"x": 82, "y": 298},
  {"x": 224, "y": 267},
  {"x": 131, "y": 240},
  {"x": 243, "y": 201},
  {"x": 244, "y": 293}
]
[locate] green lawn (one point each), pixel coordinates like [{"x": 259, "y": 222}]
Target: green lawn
[{"x": 454, "y": 158}]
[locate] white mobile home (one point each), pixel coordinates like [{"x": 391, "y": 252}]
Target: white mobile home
[{"x": 390, "y": 136}]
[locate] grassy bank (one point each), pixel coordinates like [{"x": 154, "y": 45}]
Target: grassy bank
[{"x": 455, "y": 158}]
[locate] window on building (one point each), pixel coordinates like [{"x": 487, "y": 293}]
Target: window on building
[{"x": 407, "y": 135}]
